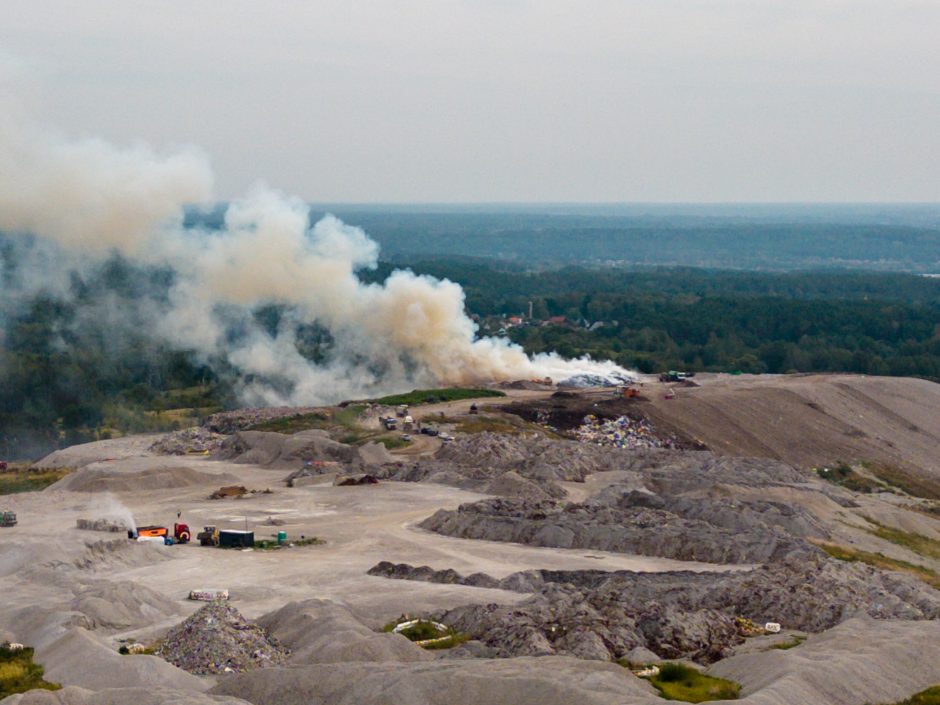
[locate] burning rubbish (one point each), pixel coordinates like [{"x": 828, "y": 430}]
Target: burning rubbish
[
  {"x": 386, "y": 336},
  {"x": 622, "y": 432}
]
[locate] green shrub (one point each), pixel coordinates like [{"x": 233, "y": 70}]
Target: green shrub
[
  {"x": 12, "y": 482},
  {"x": 931, "y": 696},
  {"x": 676, "y": 681},
  {"x": 794, "y": 641},
  {"x": 18, "y": 673}
]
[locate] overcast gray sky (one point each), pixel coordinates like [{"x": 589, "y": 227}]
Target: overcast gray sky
[{"x": 505, "y": 100}]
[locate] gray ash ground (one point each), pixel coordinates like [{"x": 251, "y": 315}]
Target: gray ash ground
[{"x": 606, "y": 615}]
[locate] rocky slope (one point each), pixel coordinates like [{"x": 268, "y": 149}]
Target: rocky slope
[{"x": 601, "y": 615}]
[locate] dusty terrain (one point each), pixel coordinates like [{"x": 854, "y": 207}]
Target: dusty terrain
[{"x": 586, "y": 554}]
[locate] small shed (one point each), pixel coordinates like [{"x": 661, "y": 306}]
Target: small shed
[{"x": 231, "y": 538}]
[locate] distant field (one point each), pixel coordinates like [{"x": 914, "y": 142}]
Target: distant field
[{"x": 21, "y": 480}]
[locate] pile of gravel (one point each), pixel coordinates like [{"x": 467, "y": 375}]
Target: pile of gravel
[
  {"x": 218, "y": 639},
  {"x": 602, "y": 615}
]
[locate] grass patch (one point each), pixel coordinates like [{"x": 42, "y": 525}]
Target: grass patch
[
  {"x": 677, "y": 681},
  {"x": 878, "y": 560},
  {"x": 931, "y": 696},
  {"x": 433, "y": 396},
  {"x": 426, "y": 631},
  {"x": 921, "y": 545},
  {"x": 18, "y": 673},
  {"x": 293, "y": 424},
  {"x": 273, "y": 545},
  {"x": 794, "y": 641},
  {"x": 483, "y": 424},
  {"x": 844, "y": 476},
  {"x": 341, "y": 421},
  {"x": 392, "y": 442},
  {"x": 914, "y": 484},
  {"x": 15, "y": 481}
]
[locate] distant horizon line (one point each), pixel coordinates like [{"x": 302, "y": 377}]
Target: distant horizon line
[{"x": 477, "y": 204}]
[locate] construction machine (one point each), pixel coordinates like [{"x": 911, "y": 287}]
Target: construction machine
[
  {"x": 7, "y": 518},
  {"x": 148, "y": 532},
  {"x": 209, "y": 536},
  {"x": 181, "y": 533}
]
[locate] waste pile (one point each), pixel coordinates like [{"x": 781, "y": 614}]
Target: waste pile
[
  {"x": 583, "y": 381},
  {"x": 218, "y": 639},
  {"x": 622, "y": 432},
  {"x": 189, "y": 440}
]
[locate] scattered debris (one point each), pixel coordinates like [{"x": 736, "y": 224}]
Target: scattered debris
[
  {"x": 622, "y": 432},
  {"x": 648, "y": 672},
  {"x": 218, "y": 639},
  {"x": 356, "y": 480},
  {"x": 189, "y": 440}
]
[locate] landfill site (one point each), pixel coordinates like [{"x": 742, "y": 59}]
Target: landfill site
[{"x": 776, "y": 535}]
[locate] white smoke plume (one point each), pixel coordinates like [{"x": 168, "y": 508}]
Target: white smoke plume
[{"x": 91, "y": 198}]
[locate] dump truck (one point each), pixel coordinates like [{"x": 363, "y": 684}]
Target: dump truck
[{"x": 7, "y": 518}]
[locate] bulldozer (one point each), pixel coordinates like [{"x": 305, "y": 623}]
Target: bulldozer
[{"x": 209, "y": 536}]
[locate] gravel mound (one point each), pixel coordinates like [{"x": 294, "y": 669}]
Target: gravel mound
[
  {"x": 637, "y": 529},
  {"x": 189, "y": 440},
  {"x": 72, "y": 695},
  {"x": 280, "y": 450},
  {"x": 320, "y": 631},
  {"x": 682, "y": 505},
  {"x": 124, "y": 605},
  {"x": 109, "y": 479},
  {"x": 518, "y": 466},
  {"x": 602, "y": 615},
  {"x": 218, "y": 639},
  {"x": 860, "y": 661},
  {"x": 524, "y": 681}
]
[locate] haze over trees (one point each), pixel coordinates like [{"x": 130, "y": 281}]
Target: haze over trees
[{"x": 80, "y": 361}]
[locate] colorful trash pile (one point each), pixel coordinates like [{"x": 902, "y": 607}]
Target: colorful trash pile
[
  {"x": 218, "y": 639},
  {"x": 622, "y": 432}
]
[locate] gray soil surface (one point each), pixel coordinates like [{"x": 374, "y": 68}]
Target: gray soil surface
[{"x": 553, "y": 557}]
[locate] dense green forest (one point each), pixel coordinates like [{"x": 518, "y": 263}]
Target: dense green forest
[
  {"x": 71, "y": 371},
  {"x": 782, "y": 237}
]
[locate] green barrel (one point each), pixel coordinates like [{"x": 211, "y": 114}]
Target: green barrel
[{"x": 281, "y": 537}]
